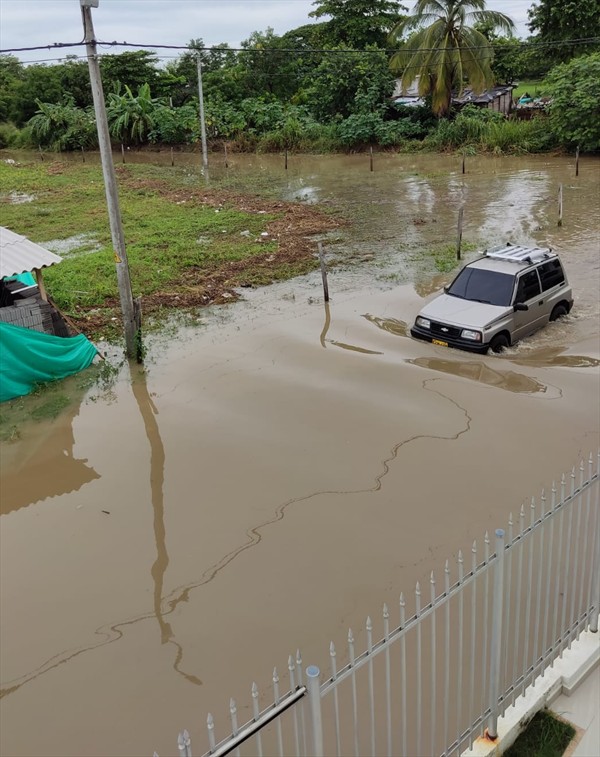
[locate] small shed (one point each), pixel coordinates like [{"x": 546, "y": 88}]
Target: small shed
[
  {"x": 23, "y": 298},
  {"x": 496, "y": 98},
  {"x": 36, "y": 343}
]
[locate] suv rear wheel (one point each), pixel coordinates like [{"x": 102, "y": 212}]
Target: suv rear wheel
[{"x": 558, "y": 312}]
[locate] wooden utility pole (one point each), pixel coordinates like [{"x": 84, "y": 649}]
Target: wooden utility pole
[
  {"x": 202, "y": 122},
  {"x": 110, "y": 181}
]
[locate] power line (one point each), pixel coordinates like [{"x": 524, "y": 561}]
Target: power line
[{"x": 306, "y": 51}]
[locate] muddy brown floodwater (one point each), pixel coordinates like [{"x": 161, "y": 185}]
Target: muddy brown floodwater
[{"x": 282, "y": 469}]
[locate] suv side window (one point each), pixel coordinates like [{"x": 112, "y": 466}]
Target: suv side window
[
  {"x": 528, "y": 287},
  {"x": 551, "y": 274}
]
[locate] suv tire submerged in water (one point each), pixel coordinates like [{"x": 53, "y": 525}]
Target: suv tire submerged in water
[{"x": 496, "y": 300}]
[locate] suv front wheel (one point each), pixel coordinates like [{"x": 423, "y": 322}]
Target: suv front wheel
[{"x": 499, "y": 343}]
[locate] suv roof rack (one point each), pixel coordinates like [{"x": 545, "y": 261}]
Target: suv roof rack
[{"x": 517, "y": 254}]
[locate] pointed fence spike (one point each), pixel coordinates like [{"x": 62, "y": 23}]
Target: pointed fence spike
[
  {"x": 210, "y": 722},
  {"x": 386, "y": 613},
  {"x": 369, "y": 624},
  {"x": 402, "y": 602},
  {"x": 275, "y": 676},
  {"x": 254, "y": 689},
  {"x": 510, "y": 519},
  {"x": 447, "y": 567},
  {"x": 418, "y": 589},
  {"x": 290, "y": 663},
  {"x": 350, "y": 636},
  {"x": 332, "y": 652}
]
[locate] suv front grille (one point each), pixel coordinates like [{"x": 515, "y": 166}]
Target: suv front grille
[{"x": 441, "y": 329}]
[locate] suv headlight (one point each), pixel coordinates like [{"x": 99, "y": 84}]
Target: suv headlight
[
  {"x": 474, "y": 336},
  {"x": 424, "y": 323}
]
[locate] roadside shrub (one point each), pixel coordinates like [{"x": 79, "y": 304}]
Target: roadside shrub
[
  {"x": 63, "y": 126},
  {"x": 174, "y": 126},
  {"x": 8, "y": 135}
]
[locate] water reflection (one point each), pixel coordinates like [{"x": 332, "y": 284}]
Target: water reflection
[
  {"x": 477, "y": 370},
  {"x": 44, "y": 465},
  {"x": 391, "y": 325},
  {"x": 336, "y": 343},
  {"x": 149, "y": 412}
]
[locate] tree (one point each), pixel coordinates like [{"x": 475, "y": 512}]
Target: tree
[
  {"x": 132, "y": 69},
  {"x": 63, "y": 126},
  {"x": 560, "y": 21},
  {"x": 357, "y": 23},
  {"x": 347, "y": 83},
  {"x": 575, "y": 108},
  {"x": 445, "y": 50},
  {"x": 130, "y": 117}
]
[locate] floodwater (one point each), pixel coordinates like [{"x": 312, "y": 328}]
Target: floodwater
[{"x": 283, "y": 468}]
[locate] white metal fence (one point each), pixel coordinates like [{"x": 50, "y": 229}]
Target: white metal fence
[{"x": 461, "y": 651}]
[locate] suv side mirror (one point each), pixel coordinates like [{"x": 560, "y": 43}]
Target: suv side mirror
[{"x": 520, "y": 306}]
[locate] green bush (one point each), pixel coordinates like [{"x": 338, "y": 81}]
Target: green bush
[{"x": 9, "y": 135}]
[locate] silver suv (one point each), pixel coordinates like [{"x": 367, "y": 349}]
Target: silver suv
[{"x": 496, "y": 300}]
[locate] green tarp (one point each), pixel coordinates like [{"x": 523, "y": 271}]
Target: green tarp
[{"x": 29, "y": 357}]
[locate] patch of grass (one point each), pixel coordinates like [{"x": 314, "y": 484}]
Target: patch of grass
[
  {"x": 444, "y": 258},
  {"x": 533, "y": 86},
  {"x": 545, "y": 736}
]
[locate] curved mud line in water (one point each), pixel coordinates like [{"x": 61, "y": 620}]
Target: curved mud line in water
[{"x": 180, "y": 594}]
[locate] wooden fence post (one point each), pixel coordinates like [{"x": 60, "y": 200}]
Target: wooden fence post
[
  {"x": 459, "y": 231},
  {"x": 560, "y": 205},
  {"x": 323, "y": 272}
]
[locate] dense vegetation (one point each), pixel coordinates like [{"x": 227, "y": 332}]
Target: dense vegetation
[{"x": 328, "y": 85}]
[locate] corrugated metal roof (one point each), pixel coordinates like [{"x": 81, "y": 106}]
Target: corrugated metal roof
[{"x": 19, "y": 255}]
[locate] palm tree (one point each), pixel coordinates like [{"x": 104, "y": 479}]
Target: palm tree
[{"x": 445, "y": 50}]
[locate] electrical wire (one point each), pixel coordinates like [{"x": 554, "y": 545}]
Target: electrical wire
[{"x": 305, "y": 51}]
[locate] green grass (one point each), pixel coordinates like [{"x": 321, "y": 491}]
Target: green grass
[
  {"x": 533, "y": 86},
  {"x": 164, "y": 236},
  {"x": 545, "y": 736},
  {"x": 444, "y": 258}
]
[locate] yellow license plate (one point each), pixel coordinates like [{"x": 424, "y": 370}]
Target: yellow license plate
[{"x": 437, "y": 341}]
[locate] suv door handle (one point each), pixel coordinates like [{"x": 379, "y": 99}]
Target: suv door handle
[{"x": 541, "y": 302}]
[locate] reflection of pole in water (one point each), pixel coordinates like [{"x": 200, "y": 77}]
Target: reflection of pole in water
[
  {"x": 326, "y": 324},
  {"x": 157, "y": 476},
  {"x": 157, "y": 468}
]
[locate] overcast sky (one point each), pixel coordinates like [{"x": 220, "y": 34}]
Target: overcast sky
[{"x": 29, "y": 23}]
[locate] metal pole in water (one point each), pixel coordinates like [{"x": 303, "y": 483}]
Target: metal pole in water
[
  {"x": 314, "y": 699},
  {"x": 577, "y": 161},
  {"x": 225, "y": 147},
  {"x": 371, "y": 157},
  {"x": 172, "y": 158},
  {"x": 496, "y": 641},
  {"x": 463, "y": 163},
  {"x": 286, "y": 156},
  {"x": 123, "y": 152}
]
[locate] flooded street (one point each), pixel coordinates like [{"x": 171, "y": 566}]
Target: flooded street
[{"x": 282, "y": 469}]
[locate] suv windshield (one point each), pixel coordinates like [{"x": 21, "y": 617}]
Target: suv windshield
[{"x": 481, "y": 285}]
